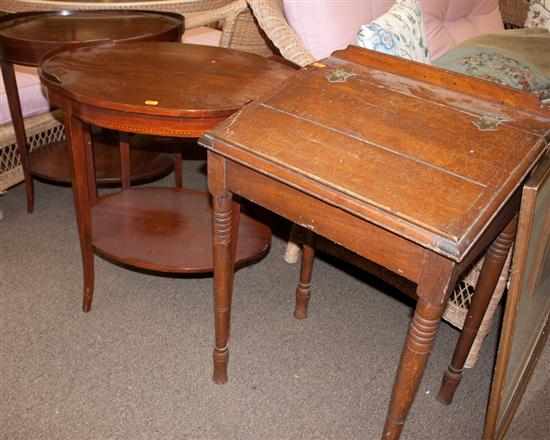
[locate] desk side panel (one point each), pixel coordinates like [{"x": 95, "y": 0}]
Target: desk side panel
[{"x": 396, "y": 254}]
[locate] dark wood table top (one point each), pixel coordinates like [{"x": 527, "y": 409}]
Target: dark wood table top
[
  {"x": 172, "y": 80},
  {"x": 426, "y": 161},
  {"x": 26, "y": 37}
]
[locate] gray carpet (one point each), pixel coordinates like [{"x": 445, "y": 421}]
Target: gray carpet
[{"x": 139, "y": 365}]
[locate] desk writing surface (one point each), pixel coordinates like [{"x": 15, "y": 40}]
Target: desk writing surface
[{"x": 430, "y": 163}]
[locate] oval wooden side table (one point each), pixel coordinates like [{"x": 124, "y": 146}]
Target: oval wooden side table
[
  {"x": 164, "y": 89},
  {"x": 25, "y": 38}
]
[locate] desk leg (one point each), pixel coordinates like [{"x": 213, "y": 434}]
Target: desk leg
[
  {"x": 79, "y": 143},
  {"x": 124, "y": 146},
  {"x": 303, "y": 291},
  {"x": 224, "y": 250},
  {"x": 10, "y": 84},
  {"x": 488, "y": 279},
  {"x": 433, "y": 291}
]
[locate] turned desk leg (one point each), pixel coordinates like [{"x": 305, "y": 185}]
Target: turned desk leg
[
  {"x": 84, "y": 190},
  {"x": 225, "y": 227},
  {"x": 303, "y": 291},
  {"x": 413, "y": 361},
  {"x": 434, "y": 287},
  {"x": 488, "y": 279},
  {"x": 10, "y": 84}
]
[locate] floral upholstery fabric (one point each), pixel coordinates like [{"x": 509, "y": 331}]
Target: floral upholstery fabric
[
  {"x": 538, "y": 15},
  {"x": 399, "y": 32},
  {"x": 518, "y": 59},
  {"x": 493, "y": 66}
]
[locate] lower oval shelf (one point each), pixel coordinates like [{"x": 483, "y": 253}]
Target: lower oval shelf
[
  {"x": 52, "y": 162},
  {"x": 167, "y": 230}
]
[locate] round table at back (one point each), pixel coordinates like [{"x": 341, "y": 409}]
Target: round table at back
[
  {"x": 25, "y": 38},
  {"x": 163, "y": 89}
]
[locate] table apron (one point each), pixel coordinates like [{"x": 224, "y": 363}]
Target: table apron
[
  {"x": 139, "y": 123},
  {"x": 383, "y": 247}
]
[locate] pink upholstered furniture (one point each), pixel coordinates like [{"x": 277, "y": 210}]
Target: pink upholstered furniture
[
  {"x": 332, "y": 24},
  {"x": 32, "y": 99}
]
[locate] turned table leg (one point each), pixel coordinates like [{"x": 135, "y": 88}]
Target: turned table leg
[
  {"x": 303, "y": 291},
  {"x": 488, "y": 279},
  {"x": 224, "y": 254}
]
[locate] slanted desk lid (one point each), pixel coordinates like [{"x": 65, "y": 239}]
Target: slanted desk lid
[{"x": 423, "y": 152}]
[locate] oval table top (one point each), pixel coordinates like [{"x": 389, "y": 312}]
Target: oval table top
[
  {"x": 162, "y": 79},
  {"x": 26, "y": 37}
]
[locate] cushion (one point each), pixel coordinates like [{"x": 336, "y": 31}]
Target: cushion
[
  {"x": 450, "y": 22},
  {"x": 32, "y": 99},
  {"x": 204, "y": 35},
  {"x": 328, "y": 25},
  {"x": 517, "y": 58},
  {"x": 399, "y": 32},
  {"x": 538, "y": 15}
]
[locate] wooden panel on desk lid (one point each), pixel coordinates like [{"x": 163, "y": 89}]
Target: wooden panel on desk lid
[
  {"x": 164, "y": 78},
  {"x": 439, "y": 161}
]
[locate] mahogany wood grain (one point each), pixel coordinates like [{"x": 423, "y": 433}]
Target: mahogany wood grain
[
  {"x": 25, "y": 38},
  {"x": 153, "y": 228},
  {"x": 175, "y": 90},
  {"x": 342, "y": 150}
]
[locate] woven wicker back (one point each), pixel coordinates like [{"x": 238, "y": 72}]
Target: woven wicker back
[{"x": 247, "y": 35}]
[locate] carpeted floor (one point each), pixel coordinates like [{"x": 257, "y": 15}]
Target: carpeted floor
[{"x": 139, "y": 365}]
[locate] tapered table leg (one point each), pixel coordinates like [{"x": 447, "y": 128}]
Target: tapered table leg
[
  {"x": 81, "y": 153},
  {"x": 303, "y": 290},
  {"x": 223, "y": 236},
  {"x": 488, "y": 279},
  {"x": 10, "y": 84}
]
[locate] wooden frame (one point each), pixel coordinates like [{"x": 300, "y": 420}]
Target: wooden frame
[{"x": 526, "y": 320}]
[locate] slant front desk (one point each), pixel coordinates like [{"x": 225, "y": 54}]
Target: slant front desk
[{"x": 417, "y": 169}]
